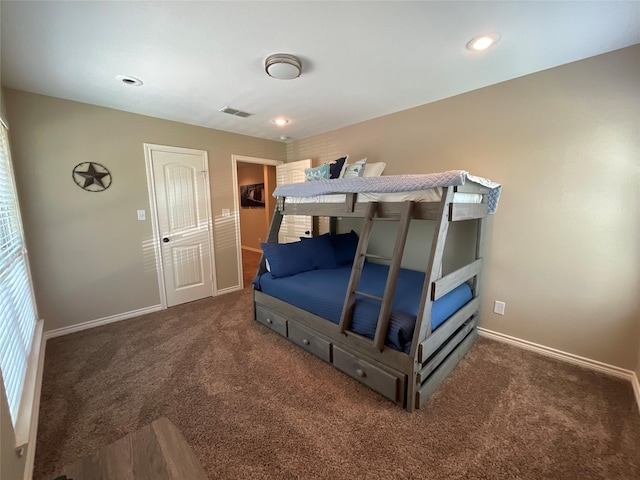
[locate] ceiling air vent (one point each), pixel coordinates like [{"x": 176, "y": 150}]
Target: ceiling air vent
[{"x": 237, "y": 113}]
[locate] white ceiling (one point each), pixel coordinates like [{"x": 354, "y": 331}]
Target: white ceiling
[{"x": 360, "y": 59}]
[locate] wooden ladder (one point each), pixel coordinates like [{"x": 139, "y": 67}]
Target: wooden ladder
[{"x": 392, "y": 277}]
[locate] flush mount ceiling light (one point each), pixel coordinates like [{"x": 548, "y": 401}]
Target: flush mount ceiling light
[
  {"x": 482, "y": 42},
  {"x": 129, "y": 80},
  {"x": 280, "y": 121},
  {"x": 283, "y": 66}
]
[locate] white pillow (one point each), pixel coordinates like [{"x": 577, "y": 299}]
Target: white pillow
[
  {"x": 374, "y": 169},
  {"x": 353, "y": 170}
]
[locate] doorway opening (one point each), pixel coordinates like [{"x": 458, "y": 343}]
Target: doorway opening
[{"x": 254, "y": 183}]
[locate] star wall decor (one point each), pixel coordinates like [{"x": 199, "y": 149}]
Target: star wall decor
[{"x": 91, "y": 176}]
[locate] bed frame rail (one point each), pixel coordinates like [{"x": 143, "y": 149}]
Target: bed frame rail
[
  {"x": 437, "y": 377},
  {"x": 434, "y": 354},
  {"x": 421, "y": 210},
  {"x": 427, "y": 347},
  {"x": 444, "y": 285},
  {"x": 444, "y": 351}
]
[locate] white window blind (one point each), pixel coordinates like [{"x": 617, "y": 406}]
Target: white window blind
[{"x": 18, "y": 314}]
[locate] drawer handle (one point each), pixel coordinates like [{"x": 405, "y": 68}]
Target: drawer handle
[
  {"x": 360, "y": 372},
  {"x": 305, "y": 341},
  {"x": 269, "y": 321}
]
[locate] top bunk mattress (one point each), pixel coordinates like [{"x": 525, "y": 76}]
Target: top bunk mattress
[
  {"x": 390, "y": 188},
  {"x": 431, "y": 195}
]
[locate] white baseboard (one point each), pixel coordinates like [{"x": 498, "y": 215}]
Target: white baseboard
[
  {"x": 251, "y": 249},
  {"x": 101, "y": 321},
  {"x": 235, "y": 288},
  {"x": 58, "y": 332},
  {"x": 567, "y": 357}
]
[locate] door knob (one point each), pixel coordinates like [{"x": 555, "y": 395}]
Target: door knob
[{"x": 165, "y": 239}]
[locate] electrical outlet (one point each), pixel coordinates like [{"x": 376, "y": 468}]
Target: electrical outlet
[{"x": 498, "y": 307}]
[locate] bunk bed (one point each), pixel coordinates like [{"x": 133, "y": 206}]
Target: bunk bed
[{"x": 396, "y": 330}]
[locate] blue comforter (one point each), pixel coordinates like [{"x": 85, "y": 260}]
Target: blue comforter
[{"x": 322, "y": 292}]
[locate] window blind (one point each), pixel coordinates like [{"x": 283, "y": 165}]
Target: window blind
[{"x": 18, "y": 314}]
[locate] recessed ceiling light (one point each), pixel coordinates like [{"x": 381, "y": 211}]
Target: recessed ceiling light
[
  {"x": 482, "y": 42},
  {"x": 280, "y": 121},
  {"x": 129, "y": 80}
]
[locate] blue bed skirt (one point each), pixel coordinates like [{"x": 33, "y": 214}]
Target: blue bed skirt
[{"x": 322, "y": 292}]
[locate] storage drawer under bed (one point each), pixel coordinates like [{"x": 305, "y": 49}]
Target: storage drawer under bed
[
  {"x": 387, "y": 382},
  {"x": 308, "y": 340},
  {"x": 381, "y": 381},
  {"x": 272, "y": 320}
]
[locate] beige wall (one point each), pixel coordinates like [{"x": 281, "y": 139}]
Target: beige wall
[
  {"x": 12, "y": 467},
  {"x": 253, "y": 220},
  {"x": 563, "y": 248},
  {"x": 90, "y": 257}
]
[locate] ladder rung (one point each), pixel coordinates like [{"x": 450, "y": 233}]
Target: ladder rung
[
  {"x": 392, "y": 277},
  {"x": 356, "y": 269},
  {"x": 368, "y": 295},
  {"x": 377, "y": 257},
  {"x": 385, "y": 219}
]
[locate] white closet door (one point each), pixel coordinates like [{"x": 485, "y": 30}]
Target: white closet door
[{"x": 182, "y": 204}]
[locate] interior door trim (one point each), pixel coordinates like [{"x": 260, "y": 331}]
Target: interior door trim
[{"x": 153, "y": 214}]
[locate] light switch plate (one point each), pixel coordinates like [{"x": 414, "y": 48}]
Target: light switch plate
[{"x": 142, "y": 215}]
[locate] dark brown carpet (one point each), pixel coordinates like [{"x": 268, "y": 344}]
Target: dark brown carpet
[{"x": 254, "y": 406}]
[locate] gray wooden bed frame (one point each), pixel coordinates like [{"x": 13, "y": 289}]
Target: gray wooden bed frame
[{"x": 408, "y": 380}]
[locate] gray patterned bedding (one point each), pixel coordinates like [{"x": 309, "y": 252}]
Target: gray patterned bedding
[{"x": 390, "y": 184}]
